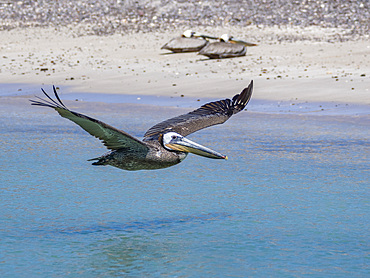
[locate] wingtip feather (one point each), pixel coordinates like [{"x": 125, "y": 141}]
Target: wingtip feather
[
  {"x": 242, "y": 99},
  {"x": 57, "y": 96},
  {"x": 49, "y": 102}
]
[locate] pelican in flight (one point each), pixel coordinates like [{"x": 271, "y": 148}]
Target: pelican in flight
[
  {"x": 227, "y": 47},
  {"x": 164, "y": 144},
  {"x": 189, "y": 41}
]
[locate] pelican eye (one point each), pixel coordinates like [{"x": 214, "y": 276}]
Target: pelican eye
[{"x": 173, "y": 136}]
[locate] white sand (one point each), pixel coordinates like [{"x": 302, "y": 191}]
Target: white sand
[{"x": 305, "y": 70}]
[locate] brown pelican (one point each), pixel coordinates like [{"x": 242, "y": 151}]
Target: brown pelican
[
  {"x": 189, "y": 41},
  {"x": 164, "y": 144},
  {"x": 227, "y": 47}
]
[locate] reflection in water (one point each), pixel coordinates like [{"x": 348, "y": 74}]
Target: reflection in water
[
  {"x": 141, "y": 247},
  {"x": 141, "y": 256},
  {"x": 126, "y": 255}
]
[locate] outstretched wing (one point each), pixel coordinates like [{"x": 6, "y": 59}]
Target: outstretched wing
[
  {"x": 212, "y": 113},
  {"x": 111, "y": 137}
]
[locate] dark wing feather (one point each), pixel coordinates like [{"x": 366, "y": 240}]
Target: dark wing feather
[
  {"x": 212, "y": 113},
  {"x": 111, "y": 137}
]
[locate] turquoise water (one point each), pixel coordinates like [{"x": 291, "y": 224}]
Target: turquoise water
[{"x": 291, "y": 201}]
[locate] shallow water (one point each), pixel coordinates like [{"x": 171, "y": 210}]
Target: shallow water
[
  {"x": 255, "y": 105},
  {"x": 292, "y": 200}
]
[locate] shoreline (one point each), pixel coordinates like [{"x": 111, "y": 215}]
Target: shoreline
[
  {"x": 105, "y": 101},
  {"x": 298, "y": 72}
]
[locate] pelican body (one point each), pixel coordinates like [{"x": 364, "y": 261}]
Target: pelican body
[
  {"x": 227, "y": 47},
  {"x": 189, "y": 41},
  {"x": 164, "y": 144}
]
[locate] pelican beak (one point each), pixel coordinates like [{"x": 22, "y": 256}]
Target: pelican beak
[
  {"x": 233, "y": 40},
  {"x": 185, "y": 145}
]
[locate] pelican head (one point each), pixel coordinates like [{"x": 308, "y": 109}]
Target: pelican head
[
  {"x": 225, "y": 38},
  {"x": 229, "y": 38},
  {"x": 175, "y": 142},
  {"x": 188, "y": 34}
]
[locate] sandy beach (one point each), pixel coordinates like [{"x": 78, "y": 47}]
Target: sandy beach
[{"x": 306, "y": 68}]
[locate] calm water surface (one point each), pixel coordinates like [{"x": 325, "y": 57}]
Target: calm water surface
[{"x": 291, "y": 201}]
